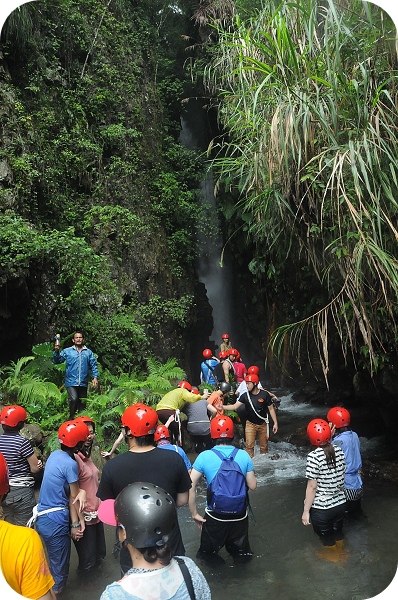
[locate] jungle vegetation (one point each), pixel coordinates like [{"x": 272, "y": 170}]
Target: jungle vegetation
[
  {"x": 99, "y": 200},
  {"x": 307, "y": 95}
]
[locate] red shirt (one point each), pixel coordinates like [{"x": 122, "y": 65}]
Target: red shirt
[{"x": 240, "y": 371}]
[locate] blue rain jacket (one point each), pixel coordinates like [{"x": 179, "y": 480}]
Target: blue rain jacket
[{"x": 78, "y": 365}]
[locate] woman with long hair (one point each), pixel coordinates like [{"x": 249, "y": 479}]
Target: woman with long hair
[{"x": 324, "y": 503}]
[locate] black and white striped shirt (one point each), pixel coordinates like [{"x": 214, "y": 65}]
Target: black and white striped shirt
[
  {"x": 329, "y": 479},
  {"x": 16, "y": 450}
]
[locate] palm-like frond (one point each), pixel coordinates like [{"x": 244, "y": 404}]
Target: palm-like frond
[{"x": 308, "y": 94}]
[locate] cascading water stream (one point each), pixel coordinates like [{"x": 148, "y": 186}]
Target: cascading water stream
[{"x": 216, "y": 278}]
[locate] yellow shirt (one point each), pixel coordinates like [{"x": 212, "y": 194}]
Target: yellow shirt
[
  {"x": 23, "y": 561},
  {"x": 175, "y": 399}
]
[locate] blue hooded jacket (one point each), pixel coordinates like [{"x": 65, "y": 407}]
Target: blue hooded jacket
[{"x": 78, "y": 365}]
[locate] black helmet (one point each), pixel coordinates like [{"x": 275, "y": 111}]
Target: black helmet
[
  {"x": 147, "y": 513},
  {"x": 225, "y": 387}
]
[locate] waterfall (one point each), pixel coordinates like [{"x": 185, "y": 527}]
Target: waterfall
[{"x": 217, "y": 279}]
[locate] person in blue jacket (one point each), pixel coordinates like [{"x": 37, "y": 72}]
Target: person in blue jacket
[
  {"x": 339, "y": 420},
  {"x": 80, "y": 360},
  {"x": 207, "y": 367}
]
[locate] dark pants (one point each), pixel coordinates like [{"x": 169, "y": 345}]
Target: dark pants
[
  {"x": 241, "y": 412},
  {"x": 353, "y": 501},
  {"x": 202, "y": 442},
  {"x": 328, "y": 523},
  {"x": 234, "y": 535},
  {"x": 75, "y": 394},
  {"x": 91, "y": 547}
]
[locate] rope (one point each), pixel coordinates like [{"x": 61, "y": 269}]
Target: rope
[
  {"x": 178, "y": 421},
  {"x": 37, "y": 513}
]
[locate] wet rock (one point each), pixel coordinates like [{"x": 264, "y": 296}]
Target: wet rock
[
  {"x": 383, "y": 470},
  {"x": 33, "y": 433}
]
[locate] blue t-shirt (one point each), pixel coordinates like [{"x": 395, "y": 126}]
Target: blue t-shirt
[
  {"x": 208, "y": 462},
  {"x": 348, "y": 441},
  {"x": 180, "y": 451},
  {"x": 59, "y": 472}
]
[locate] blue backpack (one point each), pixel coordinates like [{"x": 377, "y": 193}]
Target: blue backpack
[{"x": 227, "y": 493}]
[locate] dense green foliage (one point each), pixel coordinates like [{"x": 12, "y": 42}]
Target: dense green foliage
[
  {"x": 37, "y": 384},
  {"x": 98, "y": 199},
  {"x": 308, "y": 93}
]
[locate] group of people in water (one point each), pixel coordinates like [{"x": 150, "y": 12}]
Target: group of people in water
[{"x": 140, "y": 490}]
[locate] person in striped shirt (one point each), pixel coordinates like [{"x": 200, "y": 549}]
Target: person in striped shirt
[
  {"x": 324, "y": 503},
  {"x": 22, "y": 464}
]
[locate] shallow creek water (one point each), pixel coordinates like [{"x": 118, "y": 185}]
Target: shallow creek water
[{"x": 288, "y": 562}]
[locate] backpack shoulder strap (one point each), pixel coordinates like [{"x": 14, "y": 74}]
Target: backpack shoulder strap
[
  {"x": 234, "y": 453},
  {"x": 187, "y": 576},
  {"x": 219, "y": 454},
  {"x": 222, "y": 456}
]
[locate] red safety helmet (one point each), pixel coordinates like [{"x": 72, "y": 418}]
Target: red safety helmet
[
  {"x": 4, "y": 486},
  {"x": 161, "y": 433},
  {"x": 340, "y": 417},
  {"x": 225, "y": 336},
  {"x": 195, "y": 391},
  {"x": 12, "y": 415},
  {"x": 221, "y": 427},
  {"x": 85, "y": 420},
  {"x": 72, "y": 432},
  {"x": 252, "y": 378},
  {"x": 207, "y": 353},
  {"x": 140, "y": 419},
  {"x": 223, "y": 354},
  {"x": 185, "y": 385},
  {"x": 233, "y": 351},
  {"x": 253, "y": 370},
  {"x": 238, "y": 355},
  {"x": 318, "y": 432}
]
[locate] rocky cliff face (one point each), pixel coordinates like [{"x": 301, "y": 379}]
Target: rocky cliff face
[{"x": 93, "y": 183}]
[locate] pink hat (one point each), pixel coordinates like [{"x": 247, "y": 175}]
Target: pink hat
[{"x": 106, "y": 512}]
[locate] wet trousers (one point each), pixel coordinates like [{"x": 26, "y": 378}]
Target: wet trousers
[
  {"x": 202, "y": 442},
  {"x": 75, "y": 394},
  {"x": 252, "y": 431},
  {"x": 56, "y": 538},
  {"x": 328, "y": 523},
  {"x": 234, "y": 535}
]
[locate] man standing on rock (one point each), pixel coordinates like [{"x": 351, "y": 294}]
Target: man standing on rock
[{"x": 80, "y": 360}]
